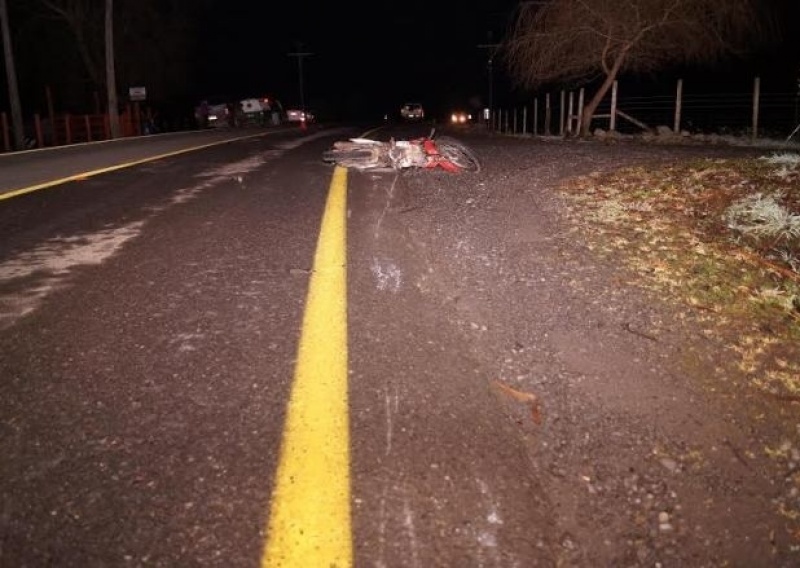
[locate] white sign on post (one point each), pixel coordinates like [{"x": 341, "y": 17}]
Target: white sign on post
[{"x": 137, "y": 93}]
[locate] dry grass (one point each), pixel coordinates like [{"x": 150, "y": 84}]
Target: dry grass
[{"x": 719, "y": 236}]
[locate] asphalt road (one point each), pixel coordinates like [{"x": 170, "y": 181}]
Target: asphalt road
[{"x": 154, "y": 296}]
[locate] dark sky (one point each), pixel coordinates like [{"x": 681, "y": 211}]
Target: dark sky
[{"x": 368, "y": 57}]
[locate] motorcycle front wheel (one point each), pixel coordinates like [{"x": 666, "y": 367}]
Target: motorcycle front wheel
[{"x": 458, "y": 153}]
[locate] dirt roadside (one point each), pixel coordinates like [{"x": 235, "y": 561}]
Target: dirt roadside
[{"x": 652, "y": 445}]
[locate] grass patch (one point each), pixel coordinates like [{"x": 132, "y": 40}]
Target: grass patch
[{"x": 719, "y": 236}]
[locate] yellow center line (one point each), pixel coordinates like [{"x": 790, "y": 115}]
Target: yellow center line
[
  {"x": 8, "y": 194},
  {"x": 309, "y": 522}
]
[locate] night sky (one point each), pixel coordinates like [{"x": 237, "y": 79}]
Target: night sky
[
  {"x": 366, "y": 58},
  {"x": 369, "y": 58}
]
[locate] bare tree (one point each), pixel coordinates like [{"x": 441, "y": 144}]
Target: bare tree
[
  {"x": 81, "y": 17},
  {"x": 581, "y": 40},
  {"x": 153, "y": 39},
  {"x": 11, "y": 76}
]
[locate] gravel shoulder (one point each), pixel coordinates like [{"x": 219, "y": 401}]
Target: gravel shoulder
[{"x": 650, "y": 449}]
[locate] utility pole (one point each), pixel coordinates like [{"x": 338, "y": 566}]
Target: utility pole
[
  {"x": 491, "y": 49},
  {"x": 300, "y": 55},
  {"x": 11, "y": 75}
]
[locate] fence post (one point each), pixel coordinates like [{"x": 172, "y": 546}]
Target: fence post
[
  {"x": 535, "y": 116},
  {"x": 51, "y": 114},
  {"x": 613, "y": 119},
  {"x": 514, "y": 121},
  {"x": 569, "y": 113},
  {"x": 548, "y": 114},
  {"x": 561, "y": 115},
  {"x": 37, "y": 122},
  {"x": 524, "y": 120},
  {"x": 88, "y": 124},
  {"x": 68, "y": 128},
  {"x": 756, "y": 99},
  {"x": 678, "y": 104},
  {"x": 580, "y": 111}
]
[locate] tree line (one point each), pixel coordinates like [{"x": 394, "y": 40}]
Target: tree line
[
  {"x": 591, "y": 42},
  {"x": 80, "y": 48},
  {"x": 88, "y": 46}
]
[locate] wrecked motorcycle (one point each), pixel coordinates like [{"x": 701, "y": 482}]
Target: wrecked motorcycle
[{"x": 428, "y": 152}]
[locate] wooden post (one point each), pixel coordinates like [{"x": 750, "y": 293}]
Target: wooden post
[
  {"x": 535, "y": 116},
  {"x": 569, "y": 113},
  {"x": 678, "y": 104},
  {"x": 613, "y": 120},
  {"x": 561, "y": 115},
  {"x": 68, "y": 129},
  {"x": 137, "y": 119},
  {"x": 756, "y": 102},
  {"x": 581, "y": 94},
  {"x": 524, "y": 120},
  {"x": 51, "y": 114},
  {"x": 88, "y": 125},
  {"x": 514, "y": 120},
  {"x": 37, "y": 122},
  {"x": 548, "y": 114},
  {"x": 6, "y": 134}
]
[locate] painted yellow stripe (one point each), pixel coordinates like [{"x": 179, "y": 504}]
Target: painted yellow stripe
[
  {"x": 309, "y": 523},
  {"x": 90, "y": 173}
]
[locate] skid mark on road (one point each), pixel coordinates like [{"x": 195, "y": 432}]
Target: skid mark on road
[
  {"x": 295, "y": 143},
  {"x": 486, "y": 532},
  {"x": 235, "y": 168},
  {"x": 411, "y": 532},
  {"x": 392, "y": 407},
  {"x": 28, "y": 278},
  {"x": 388, "y": 276},
  {"x": 389, "y": 197}
]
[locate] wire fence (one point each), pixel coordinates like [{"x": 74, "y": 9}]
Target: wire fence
[{"x": 755, "y": 113}]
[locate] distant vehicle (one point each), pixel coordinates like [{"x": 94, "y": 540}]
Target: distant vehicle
[
  {"x": 460, "y": 117},
  {"x": 215, "y": 112},
  {"x": 412, "y": 111},
  {"x": 221, "y": 111},
  {"x": 298, "y": 115},
  {"x": 260, "y": 110}
]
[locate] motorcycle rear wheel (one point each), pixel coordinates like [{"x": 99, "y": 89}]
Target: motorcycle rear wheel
[{"x": 358, "y": 158}]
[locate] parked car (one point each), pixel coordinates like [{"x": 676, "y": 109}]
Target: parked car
[
  {"x": 214, "y": 112},
  {"x": 298, "y": 115},
  {"x": 261, "y": 111},
  {"x": 412, "y": 111}
]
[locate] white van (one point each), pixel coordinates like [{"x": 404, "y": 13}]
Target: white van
[{"x": 412, "y": 111}]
